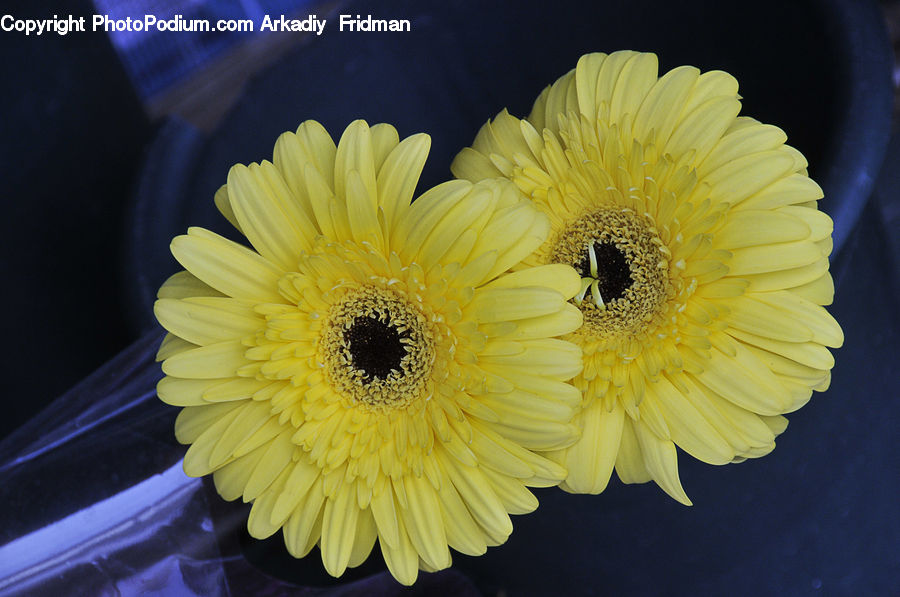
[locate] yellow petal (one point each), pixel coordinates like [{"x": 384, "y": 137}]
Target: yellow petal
[
  {"x": 311, "y": 145},
  {"x": 457, "y": 218},
  {"x": 788, "y": 278},
  {"x": 690, "y": 430},
  {"x": 508, "y": 134},
  {"x": 240, "y": 388},
  {"x": 207, "y": 320},
  {"x": 260, "y": 524},
  {"x": 260, "y": 437},
  {"x": 354, "y": 152},
  {"x": 825, "y": 329},
  {"x": 339, "y": 528},
  {"x": 463, "y": 533},
  {"x": 787, "y": 367},
  {"x": 223, "y": 204},
  {"x": 701, "y": 128},
  {"x": 819, "y": 291},
  {"x": 215, "y": 360},
  {"x": 521, "y": 230},
  {"x": 561, "y": 98},
  {"x": 253, "y": 416},
  {"x": 790, "y": 190},
  {"x": 303, "y": 529},
  {"x": 820, "y": 224},
  {"x": 402, "y": 560},
  {"x": 384, "y": 140},
  {"x": 629, "y": 76},
  {"x": 555, "y": 358},
  {"x": 184, "y": 392},
  {"x": 745, "y": 136},
  {"x": 630, "y": 465},
  {"x": 512, "y": 493},
  {"x": 545, "y": 472},
  {"x": 493, "y": 454},
  {"x": 197, "y": 459},
  {"x": 777, "y": 423},
  {"x": 561, "y": 277},
  {"x": 277, "y": 457},
  {"x": 742, "y": 429},
  {"x": 563, "y": 322},
  {"x": 183, "y": 285},
  {"x": 591, "y": 459},
  {"x": 268, "y": 213},
  {"x": 321, "y": 197},
  {"x": 172, "y": 345},
  {"x": 366, "y": 534},
  {"x": 480, "y": 499},
  {"x": 291, "y": 157},
  {"x": 661, "y": 109},
  {"x": 226, "y": 266},
  {"x": 509, "y": 304},
  {"x": 418, "y": 222},
  {"x": 424, "y": 523},
  {"x": 399, "y": 175},
  {"x": 773, "y": 257},
  {"x": 302, "y": 477},
  {"x": 748, "y": 228},
  {"x": 752, "y": 314},
  {"x": 361, "y": 212},
  {"x": 473, "y": 166},
  {"x": 742, "y": 178},
  {"x": 661, "y": 461},
  {"x": 587, "y": 72},
  {"x": 519, "y": 404},
  {"x": 712, "y": 84},
  {"x": 232, "y": 478},
  {"x": 810, "y": 354},
  {"x": 384, "y": 511}
]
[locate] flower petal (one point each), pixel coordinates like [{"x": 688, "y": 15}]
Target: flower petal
[
  {"x": 227, "y": 266},
  {"x": 591, "y": 459},
  {"x": 304, "y": 527},
  {"x": 270, "y": 217},
  {"x": 354, "y": 152},
  {"x": 221, "y": 359},
  {"x": 661, "y": 462},
  {"x": 399, "y": 175},
  {"x": 339, "y": 529},
  {"x": 207, "y": 320},
  {"x": 424, "y": 523},
  {"x": 184, "y": 284}
]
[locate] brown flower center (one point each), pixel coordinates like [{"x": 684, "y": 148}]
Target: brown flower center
[
  {"x": 624, "y": 274},
  {"x": 378, "y": 349},
  {"x": 607, "y": 266},
  {"x": 375, "y": 346}
]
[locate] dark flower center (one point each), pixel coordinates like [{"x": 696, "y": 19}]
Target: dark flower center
[
  {"x": 375, "y": 346},
  {"x": 377, "y": 349},
  {"x": 609, "y": 266},
  {"x": 624, "y": 268}
]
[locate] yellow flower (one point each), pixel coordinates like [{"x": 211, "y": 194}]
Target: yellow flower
[
  {"x": 369, "y": 372},
  {"x": 704, "y": 263}
]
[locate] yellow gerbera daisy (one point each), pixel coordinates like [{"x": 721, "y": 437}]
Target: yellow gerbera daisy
[
  {"x": 704, "y": 263},
  {"x": 370, "y": 371}
]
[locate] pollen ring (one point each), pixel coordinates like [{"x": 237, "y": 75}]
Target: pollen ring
[
  {"x": 378, "y": 349},
  {"x": 624, "y": 269}
]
